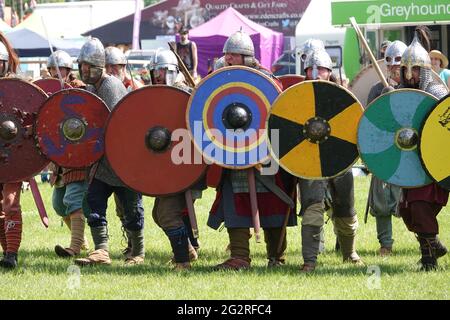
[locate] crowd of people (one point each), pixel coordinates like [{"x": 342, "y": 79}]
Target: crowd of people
[{"x": 81, "y": 196}]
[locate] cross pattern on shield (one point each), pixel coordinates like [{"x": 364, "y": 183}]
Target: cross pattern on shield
[
  {"x": 312, "y": 129},
  {"x": 70, "y": 127},
  {"x": 388, "y": 135},
  {"x": 226, "y": 116},
  {"x": 20, "y": 159},
  {"x": 434, "y": 143}
]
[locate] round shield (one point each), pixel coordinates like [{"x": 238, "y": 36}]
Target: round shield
[
  {"x": 388, "y": 134},
  {"x": 70, "y": 128},
  {"x": 147, "y": 144},
  {"x": 435, "y": 141},
  {"x": 289, "y": 80},
  {"x": 364, "y": 80},
  {"x": 312, "y": 129},
  {"x": 227, "y": 113},
  {"x": 51, "y": 85},
  {"x": 20, "y": 158}
]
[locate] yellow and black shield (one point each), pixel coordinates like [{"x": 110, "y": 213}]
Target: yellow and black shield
[
  {"x": 312, "y": 129},
  {"x": 435, "y": 141}
]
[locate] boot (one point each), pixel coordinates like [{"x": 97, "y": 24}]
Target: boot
[
  {"x": 272, "y": 238},
  {"x": 441, "y": 250},
  {"x": 100, "y": 255},
  {"x": 239, "y": 250},
  {"x": 310, "y": 246},
  {"x": 97, "y": 257},
  {"x": 345, "y": 229},
  {"x": 179, "y": 242},
  {"x": 77, "y": 225},
  {"x": 9, "y": 261},
  {"x": 347, "y": 244},
  {"x": 137, "y": 253},
  {"x": 428, "y": 260}
]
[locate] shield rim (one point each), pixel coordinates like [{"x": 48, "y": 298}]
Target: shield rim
[
  {"x": 106, "y": 154},
  {"x": 270, "y": 144},
  {"x": 207, "y": 159},
  {"x": 66, "y": 85},
  {"x": 54, "y": 96},
  {"x": 420, "y": 140},
  {"x": 34, "y": 128},
  {"x": 367, "y": 108}
]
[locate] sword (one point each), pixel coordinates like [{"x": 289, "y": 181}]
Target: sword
[
  {"x": 38, "y": 200},
  {"x": 286, "y": 217}
]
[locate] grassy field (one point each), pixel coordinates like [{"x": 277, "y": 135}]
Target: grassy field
[{"x": 44, "y": 276}]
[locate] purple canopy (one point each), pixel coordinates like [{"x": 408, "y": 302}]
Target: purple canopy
[{"x": 211, "y": 36}]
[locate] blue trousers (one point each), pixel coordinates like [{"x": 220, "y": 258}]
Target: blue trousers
[{"x": 97, "y": 197}]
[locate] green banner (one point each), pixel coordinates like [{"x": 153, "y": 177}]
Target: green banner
[{"x": 386, "y": 12}]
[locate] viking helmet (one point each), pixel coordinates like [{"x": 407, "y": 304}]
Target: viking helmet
[
  {"x": 394, "y": 53},
  {"x": 114, "y": 55},
  {"x": 165, "y": 59},
  {"x": 241, "y": 43},
  {"x": 60, "y": 59},
  {"x": 318, "y": 58},
  {"x": 415, "y": 56},
  {"x": 93, "y": 53},
  {"x": 309, "y": 46}
]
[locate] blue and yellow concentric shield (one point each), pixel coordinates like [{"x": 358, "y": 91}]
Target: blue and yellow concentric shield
[
  {"x": 388, "y": 137},
  {"x": 226, "y": 116}
]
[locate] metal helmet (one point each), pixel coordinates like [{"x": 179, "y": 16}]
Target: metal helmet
[
  {"x": 60, "y": 59},
  {"x": 318, "y": 58},
  {"x": 164, "y": 59},
  {"x": 93, "y": 53},
  {"x": 241, "y": 43},
  {"x": 415, "y": 56},
  {"x": 114, "y": 55},
  {"x": 394, "y": 53},
  {"x": 4, "y": 55},
  {"x": 309, "y": 46}
]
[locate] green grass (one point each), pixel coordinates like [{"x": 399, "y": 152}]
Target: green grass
[{"x": 44, "y": 276}]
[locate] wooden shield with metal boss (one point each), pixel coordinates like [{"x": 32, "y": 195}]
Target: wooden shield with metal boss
[
  {"x": 312, "y": 129},
  {"x": 388, "y": 136},
  {"x": 70, "y": 128},
  {"x": 147, "y": 144}
]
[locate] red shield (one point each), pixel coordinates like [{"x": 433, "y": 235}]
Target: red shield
[
  {"x": 290, "y": 79},
  {"x": 70, "y": 128},
  {"x": 51, "y": 85},
  {"x": 20, "y": 159},
  {"x": 142, "y": 146}
]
